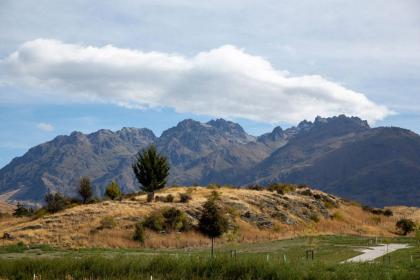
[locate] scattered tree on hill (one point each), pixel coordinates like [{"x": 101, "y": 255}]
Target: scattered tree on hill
[
  {"x": 85, "y": 189},
  {"x": 405, "y": 226},
  {"x": 22, "y": 211},
  {"x": 113, "y": 190},
  {"x": 212, "y": 222},
  {"x": 151, "y": 170},
  {"x": 55, "y": 202}
]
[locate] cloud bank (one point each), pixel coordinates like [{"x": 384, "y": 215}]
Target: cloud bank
[{"x": 223, "y": 82}]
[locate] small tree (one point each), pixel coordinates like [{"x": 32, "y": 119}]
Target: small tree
[
  {"x": 405, "y": 226},
  {"x": 151, "y": 170},
  {"x": 22, "y": 211},
  {"x": 85, "y": 189},
  {"x": 113, "y": 191},
  {"x": 54, "y": 202},
  {"x": 212, "y": 222}
]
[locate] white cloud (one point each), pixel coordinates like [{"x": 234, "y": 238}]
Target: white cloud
[
  {"x": 223, "y": 82},
  {"x": 45, "y": 127}
]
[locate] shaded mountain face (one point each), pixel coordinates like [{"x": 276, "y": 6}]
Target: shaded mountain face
[
  {"x": 58, "y": 165},
  {"x": 341, "y": 155}
]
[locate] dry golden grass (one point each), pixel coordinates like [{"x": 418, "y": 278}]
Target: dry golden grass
[{"x": 78, "y": 226}]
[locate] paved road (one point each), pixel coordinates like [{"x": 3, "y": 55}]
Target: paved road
[{"x": 372, "y": 253}]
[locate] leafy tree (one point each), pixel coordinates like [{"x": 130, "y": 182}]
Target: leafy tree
[
  {"x": 22, "y": 211},
  {"x": 405, "y": 226},
  {"x": 212, "y": 222},
  {"x": 55, "y": 202},
  {"x": 85, "y": 189},
  {"x": 113, "y": 190},
  {"x": 151, "y": 170}
]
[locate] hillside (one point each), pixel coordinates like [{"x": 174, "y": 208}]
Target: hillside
[
  {"x": 341, "y": 155},
  {"x": 254, "y": 215}
]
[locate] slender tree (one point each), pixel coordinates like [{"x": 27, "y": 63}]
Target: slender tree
[
  {"x": 151, "y": 170},
  {"x": 113, "y": 190},
  {"x": 85, "y": 189},
  {"x": 212, "y": 222}
]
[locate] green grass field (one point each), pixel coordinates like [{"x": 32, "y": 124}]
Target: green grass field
[{"x": 269, "y": 260}]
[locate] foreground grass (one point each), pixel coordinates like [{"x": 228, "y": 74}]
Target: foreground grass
[
  {"x": 267, "y": 260},
  {"x": 184, "y": 267}
]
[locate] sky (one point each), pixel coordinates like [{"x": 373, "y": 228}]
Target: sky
[{"x": 88, "y": 65}]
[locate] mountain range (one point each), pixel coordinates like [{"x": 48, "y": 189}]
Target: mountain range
[{"x": 341, "y": 155}]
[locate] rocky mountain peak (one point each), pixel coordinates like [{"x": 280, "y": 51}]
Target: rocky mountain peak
[{"x": 341, "y": 119}]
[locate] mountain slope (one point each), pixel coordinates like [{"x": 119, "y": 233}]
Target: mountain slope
[
  {"x": 341, "y": 155},
  {"x": 379, "y": 166},
  {"x": 58, "y": 165}
]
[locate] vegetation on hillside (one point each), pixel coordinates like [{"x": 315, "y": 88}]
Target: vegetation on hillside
[{"x": 151, "y": 170}]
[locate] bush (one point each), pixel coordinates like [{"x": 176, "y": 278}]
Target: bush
[
  {"x": 55, "y": 202},
  {"x": 169, "y": 198},
  {"x": 168, "y": 219},
  {"x": 405, "y": 226},
  {"x": 255, "y": 187},
  {"x": 175, "y": 219},
  {"x": 107, "y": 223},
  {"x": 154, "y": 221},
  {"x": 306, "y": 192},
  {"x": 281, "y": 188},
  {"x": 184, "y": 197},
  {"x": 113, "y": 190},
  {"x": 314, "y": 217},
  {"x": 388, "y": 212},
  {"x": 23, "y": 211},
  {"x": 139, "y": 233},
  {"x": 213, "y": 186}
]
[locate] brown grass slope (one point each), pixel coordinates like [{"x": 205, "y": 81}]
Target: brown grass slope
[{"x": 255, "y": 215}]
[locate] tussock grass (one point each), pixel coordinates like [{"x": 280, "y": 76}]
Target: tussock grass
[{"x": 186, "y": 267}]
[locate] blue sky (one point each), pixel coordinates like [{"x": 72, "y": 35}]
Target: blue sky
[{"x": 87, "y": 65}]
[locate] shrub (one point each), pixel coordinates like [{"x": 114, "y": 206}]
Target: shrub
[
  {"x": 23, "y": 211},
  {"x": 159, "y": 198},
  {"x": 255, "y": 187},
  {"x": 213, "y": 186},
  {"x": 337, "y": 216},
  {"x": 55, "y": 202},
  {"x": 388, "y": 213},
  {"x": 314, "y": 217},
  {"x": 405, "y": 226},
  {"x": 107, "y": 223},
  {"x": 214, "y": 195},
  {"x": 306, "y": 192},
  {"x": 139, "y": 233},
  {"x": 168, "y": 219},
  {"x": 281, "y": 188},
  {"x": 113, "y": 190},
  {"x": 184, "y": 197},
  {"x": 154, "y": 221},
  {"x": 175, "y": 220},
  {"x": 329, "y": 204},
  {"x": 169, "y": 198}
]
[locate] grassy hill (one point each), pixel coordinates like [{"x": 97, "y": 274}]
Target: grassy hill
[{"x": 255, "y": 216}]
